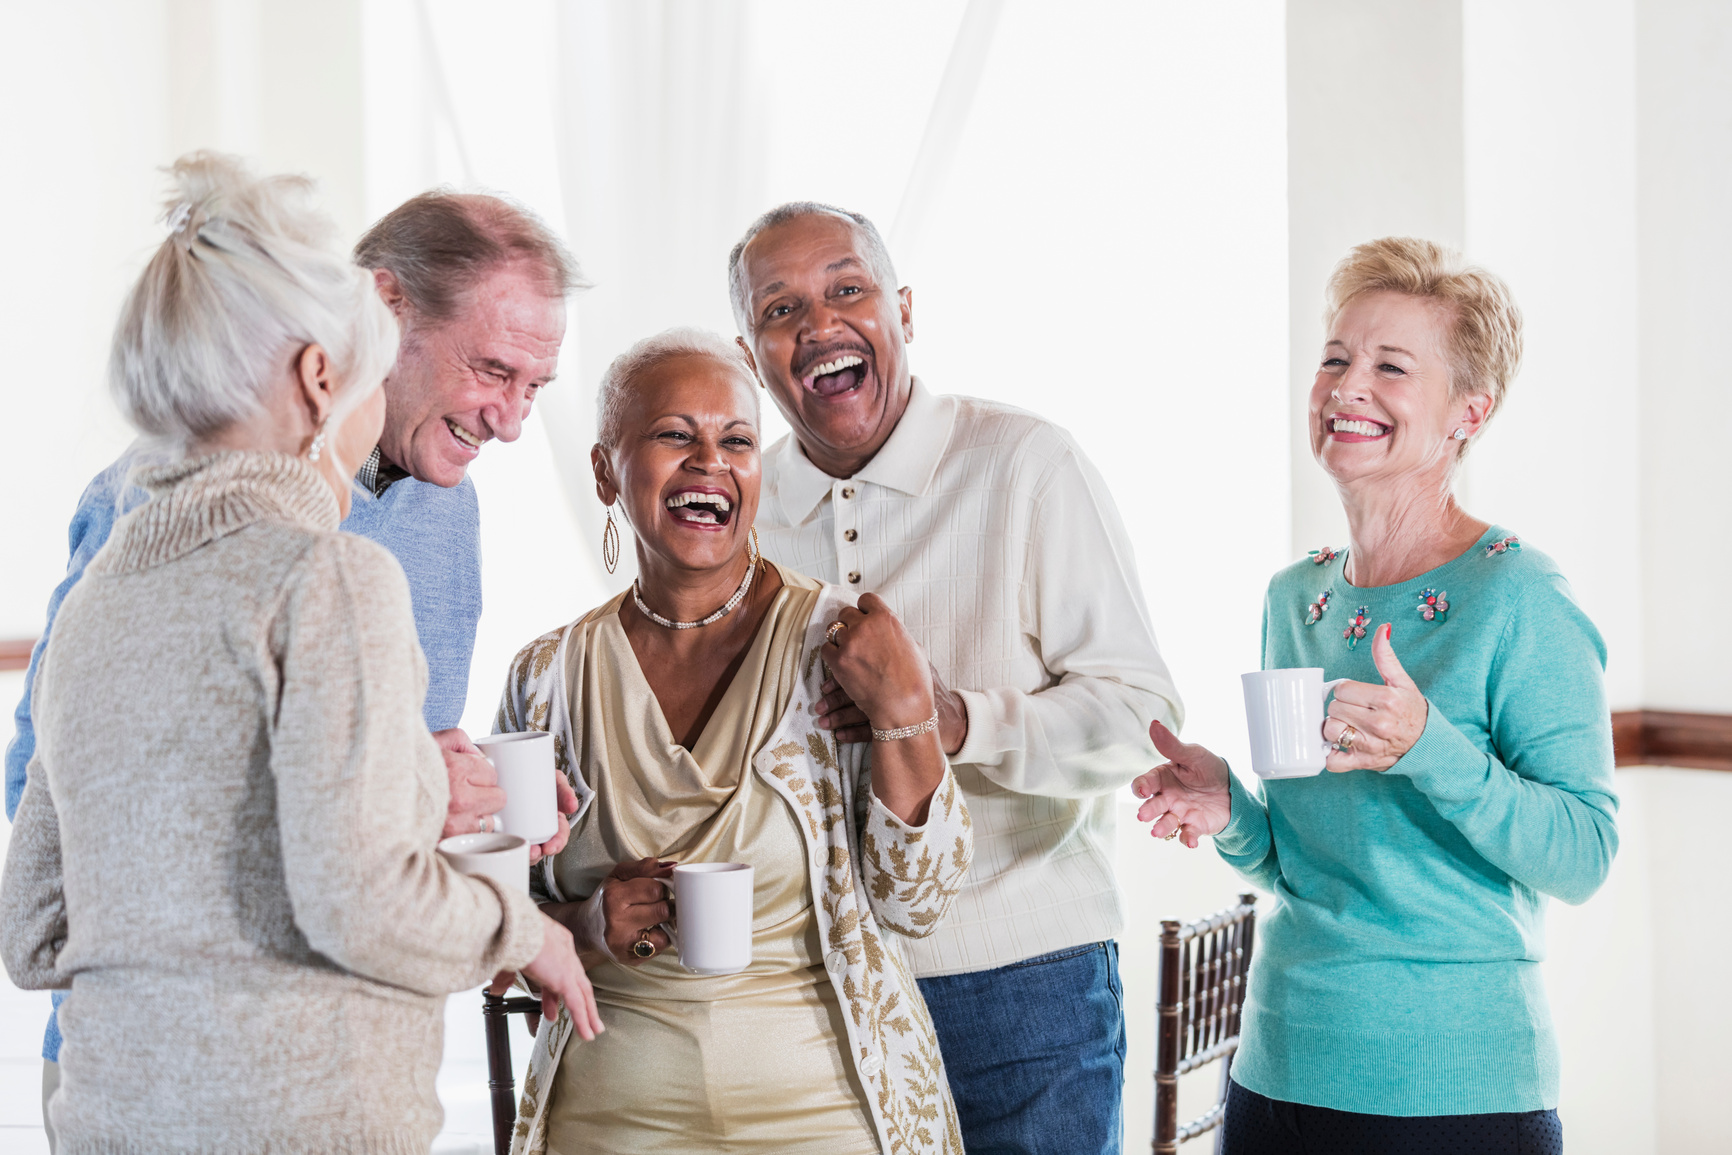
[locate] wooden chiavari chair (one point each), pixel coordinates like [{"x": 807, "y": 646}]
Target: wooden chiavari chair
[
  {"x": 1203, "y": 970},
  {"x": 496, "y": 1012}
]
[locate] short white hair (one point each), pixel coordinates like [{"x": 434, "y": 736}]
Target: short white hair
[
  {"x": 621, "y": 376},
  {"x": 250, "y": 274}
]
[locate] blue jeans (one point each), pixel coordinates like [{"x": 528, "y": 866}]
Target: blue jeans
[{"x": 1036, "y": 1052}]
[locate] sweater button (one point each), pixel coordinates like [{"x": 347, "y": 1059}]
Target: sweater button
[
  {"x": 849, "y": 535},
  {"x": 835, "y": 962},
  {"x": 871, "y": 1065},
  {"x": 854, "y": 578}
]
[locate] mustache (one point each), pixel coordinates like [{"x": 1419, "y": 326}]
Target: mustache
[{"x": 828, "y": 352}]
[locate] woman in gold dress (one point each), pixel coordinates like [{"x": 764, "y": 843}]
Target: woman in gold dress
[{"x": 685, "y": 712}]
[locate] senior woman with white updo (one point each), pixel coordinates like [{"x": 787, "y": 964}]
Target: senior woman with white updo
[
  {"x": 225, "y": 845},
  {"x": 1396, "y": 1005}
]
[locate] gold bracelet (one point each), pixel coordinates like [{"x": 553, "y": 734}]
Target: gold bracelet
[{"x": 900, "y": 732}]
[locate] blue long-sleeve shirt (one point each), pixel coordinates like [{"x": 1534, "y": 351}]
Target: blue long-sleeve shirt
[
  {"x": 434, "y": 533},
  {"x": 1399, "y": 973}
]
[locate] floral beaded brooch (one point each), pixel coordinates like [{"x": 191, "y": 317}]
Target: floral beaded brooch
[
  {"x": 1318, "y": 608},
  {"x": 1433, "y": 605},
  {"x": 1507, "y": 545},
  {"x": 1356, "y": 628},
  {"x": 1322, "y": 556}
]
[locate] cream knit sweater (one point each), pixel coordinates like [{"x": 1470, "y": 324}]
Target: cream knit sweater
[{"x": 225, "y": 846}]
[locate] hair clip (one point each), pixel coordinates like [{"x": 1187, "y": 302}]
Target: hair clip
[{"x": 177, "y": 219}]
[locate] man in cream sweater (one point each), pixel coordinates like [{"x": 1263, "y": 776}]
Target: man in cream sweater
[{"x": 995, "y": 540}]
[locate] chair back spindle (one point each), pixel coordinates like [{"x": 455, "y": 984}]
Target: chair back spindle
[{"x": 1204, "y": 965}]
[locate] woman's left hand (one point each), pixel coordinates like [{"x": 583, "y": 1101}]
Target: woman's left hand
[
  {"x": 880, "y": 666},
  {"x": 1388, "y": 719}
]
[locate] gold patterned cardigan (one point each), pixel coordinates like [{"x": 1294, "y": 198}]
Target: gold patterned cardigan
[{"x": 874, "y": 874}]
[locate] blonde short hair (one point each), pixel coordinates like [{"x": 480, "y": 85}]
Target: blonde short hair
[
  {"x": 621, "y": 376},
  {"x": 249, "y": 274},
  {"x": 1485, "y": 335}
]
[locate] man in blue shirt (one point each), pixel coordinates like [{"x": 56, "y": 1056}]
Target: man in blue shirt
[{"x": 479, "y": 287}]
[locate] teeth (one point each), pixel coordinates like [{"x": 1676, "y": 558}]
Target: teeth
[
  {"x": 715, "y": 499},
  {"x": 846, "y": 361},
  {"x": 1363, "y": 428},
  {"x": 463, "y": 434}
]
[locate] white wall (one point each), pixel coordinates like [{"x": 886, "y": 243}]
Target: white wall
[
  {"x": 79, "y": 197},
  {"x": 1372, "y": 151},
  {"x": 1684, "y": 223},
  {"x": 1550, "y": 132}
]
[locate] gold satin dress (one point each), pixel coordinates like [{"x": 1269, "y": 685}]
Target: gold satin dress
[{"x": 751, "y": 1062}]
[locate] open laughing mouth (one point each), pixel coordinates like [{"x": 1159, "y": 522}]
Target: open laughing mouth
[
  {"x": 836, "y": 376},
  {"x": 463, "y": 435},
  {"x": 700, "y": 507},
  {"x": 1343, "y": 428}
]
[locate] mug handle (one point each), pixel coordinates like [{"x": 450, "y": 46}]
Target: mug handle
[
  {"x": 1328, "y": 689},
  {"x": 671, "y": 927}
]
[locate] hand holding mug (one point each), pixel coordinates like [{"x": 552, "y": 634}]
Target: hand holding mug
[
  {"x": 634, "y": 901},
  {"x": 475, "y": 792},
  {"x": 1387, "y": 720},
  {"x": 1188, "y": 794}
]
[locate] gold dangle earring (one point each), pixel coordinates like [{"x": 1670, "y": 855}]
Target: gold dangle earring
[
  {"x": 754, "y": 555},
  {"x": 610, "y": 543}
]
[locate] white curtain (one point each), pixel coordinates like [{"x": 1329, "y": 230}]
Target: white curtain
[{"x": 660, "y": 170}]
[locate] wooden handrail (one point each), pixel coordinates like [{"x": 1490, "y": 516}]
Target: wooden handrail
[
  {"x": 1672, "y": 738},
  {"x": 15, "y": 653}
]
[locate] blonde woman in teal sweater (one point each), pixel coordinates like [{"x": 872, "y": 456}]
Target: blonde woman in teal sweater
[{"x": 1395, "y": 1003}]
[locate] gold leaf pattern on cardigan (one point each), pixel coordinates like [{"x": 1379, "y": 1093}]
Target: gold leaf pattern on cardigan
[{"x": 875, "y": 872}]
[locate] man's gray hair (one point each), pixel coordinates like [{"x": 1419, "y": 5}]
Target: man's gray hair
[
  {"x": 250, "y": 274},
  {"x": 440, "y": 244},
  {"x": 740, "y": 293},
  {"x": 621, "y": 377}
]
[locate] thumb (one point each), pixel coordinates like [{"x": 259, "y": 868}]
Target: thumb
[
  {"x": 1166, "y": 741},
  {"x": 1388, "y": 665},
  {"x": 872, "y": 604}
]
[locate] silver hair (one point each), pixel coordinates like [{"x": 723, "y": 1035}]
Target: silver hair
[
  {"x": 617, "y": 383},
  {"x": 876, "y": 251},
  {"x": 250, "y": 274}
]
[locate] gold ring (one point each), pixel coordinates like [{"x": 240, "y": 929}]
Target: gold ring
[
  {"x": 643, "y": 947},
  {"x": 1348, "y": 736},
  {"x": 1171, "y": 836},
  {"x": 835, "y": 628}
]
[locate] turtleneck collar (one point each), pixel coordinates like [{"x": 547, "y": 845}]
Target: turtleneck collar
[{"x": 200, "y": 499}]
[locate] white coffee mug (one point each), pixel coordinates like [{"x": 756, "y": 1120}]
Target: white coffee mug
[
  {"x": 713, "y": 916},
  {"x": 1284, "y": 712},
  {"x": 502, "y": 857},
  {"x": 524, "y": 763}
]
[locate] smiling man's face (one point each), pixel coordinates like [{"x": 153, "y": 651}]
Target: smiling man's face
[
  {"x": 827, "y": 338},
  {"x": 463, "y": 382}
]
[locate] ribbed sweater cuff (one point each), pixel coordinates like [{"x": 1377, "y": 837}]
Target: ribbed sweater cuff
[
  {"x": 1247, "y": 831},
  {"x": 1443, "y": 764}
]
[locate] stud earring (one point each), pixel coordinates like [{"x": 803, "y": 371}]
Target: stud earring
[
  {"x": 318, "y": 445},
  {"x": 1461, "y": 435},
  {"x": 610, "y": 542}
]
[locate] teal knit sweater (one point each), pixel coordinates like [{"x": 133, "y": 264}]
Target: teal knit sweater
[{"x": 1398, "y": 973}]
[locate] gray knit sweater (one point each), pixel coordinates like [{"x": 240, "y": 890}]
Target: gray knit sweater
[{"x": 225, "y": 845}]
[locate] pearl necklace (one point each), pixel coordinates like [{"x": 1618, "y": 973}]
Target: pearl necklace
[{"x": 728, "y": 608}]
